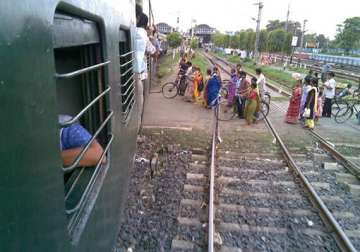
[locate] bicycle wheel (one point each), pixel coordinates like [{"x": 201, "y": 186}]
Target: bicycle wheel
[
  {"x": 225, "y": 112},
  {"x": 264, "y": 110},
  {"x": 267, "y": 98},
  {"x": 335, "y": 107},
  {"x": 169, "y": 90},
  {"x": 344, "y": 114}
]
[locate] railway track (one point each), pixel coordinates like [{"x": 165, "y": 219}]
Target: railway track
[{"x": 277, "y": 202}]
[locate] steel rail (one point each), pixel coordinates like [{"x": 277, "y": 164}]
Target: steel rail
[
  {"x": 349, "y": 165},
  {"x": 341, "y": 239},
  {"x": 211, "y": 228}
]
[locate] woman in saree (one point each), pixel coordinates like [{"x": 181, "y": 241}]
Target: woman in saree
[
  {"x": 205, "y": 92},
  {"x": 292, "y": 114},
  {"x": 232, "y": 88},
  {"x": 252, "y": 105},
  {"x": 213, "y": 88},
  {"x": 197, "y": 79},
  {"x": 310, "y": 107},
  {"x": 189, "y": 91}
]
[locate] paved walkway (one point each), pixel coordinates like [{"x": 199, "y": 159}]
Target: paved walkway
[{"x": 177, "y": 113}]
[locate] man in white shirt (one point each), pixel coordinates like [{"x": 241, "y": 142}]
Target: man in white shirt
[
  {"x": 143, "y": 46},
  {"x": 329, "y": 94},
  {"x": 261, "y": 82}
]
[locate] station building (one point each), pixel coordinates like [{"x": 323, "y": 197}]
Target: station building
[
  {"x": 164, "y": 28},
  {"x": 204, "y": 32}
]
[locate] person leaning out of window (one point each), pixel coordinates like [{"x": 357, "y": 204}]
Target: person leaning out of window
[{"x": 73, "y": 140}]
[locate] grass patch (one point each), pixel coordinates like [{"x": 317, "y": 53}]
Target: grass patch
[
  {"x": 167, "y": 64},
  {"x": 273, "y": 75},
  {"x": 200, "y": 61}
]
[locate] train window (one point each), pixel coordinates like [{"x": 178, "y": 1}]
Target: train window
[
  {"x": 82, "y": 98},
  {"x": 127, "y": 82}
]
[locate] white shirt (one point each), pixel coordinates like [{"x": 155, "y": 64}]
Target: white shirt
[
  {"x": 329, "y": 90},
  {"x": 142, "y": 46},
  {"x": 261, "y": 82}
]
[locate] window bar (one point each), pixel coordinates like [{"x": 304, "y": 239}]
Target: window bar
[
  {"x": 81, "y": 71},
  {"x": 87, "y": 146},
  {"x": 127, "y": 99},
  {"x": 126, "y": 54},
  {"x": 128, "y": 89},
  {"x": 127, "y": 63},
  {"x": 93, "y": 178},
  {"x": 127, "y": 71},
  {"x": 129, "y": 106},
  {"x": 74, "y": 183},
  {"x": 127, "y": 82},
  {"x": 73, "y": 120}
]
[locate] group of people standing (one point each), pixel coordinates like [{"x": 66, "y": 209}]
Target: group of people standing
[
  {"x": 246, "y": 93},
  {"x": 194, "y": 86},
  {"x": 243, "y": 93},
  {"x": 309, "y": 102}
]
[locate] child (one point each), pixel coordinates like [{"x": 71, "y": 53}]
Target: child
[
  {"x": 319, "y": 107},
  {"x": 252, "y": 103}
]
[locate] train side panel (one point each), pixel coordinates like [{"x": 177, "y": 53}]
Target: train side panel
[{"x": 32, "y": 216}]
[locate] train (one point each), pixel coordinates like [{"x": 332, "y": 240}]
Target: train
[
  {"x": 68, "y": 57},
  {"x": 340, "y": 60}
]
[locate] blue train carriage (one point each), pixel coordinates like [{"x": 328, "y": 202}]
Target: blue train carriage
[
  {"x": 342, "y": 60},
  {"x": 70, "y": 57}
]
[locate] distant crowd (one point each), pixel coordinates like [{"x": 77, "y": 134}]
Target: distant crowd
[
  {"x": 243, "y": 93},
  {"x": 310, "y": 101}
]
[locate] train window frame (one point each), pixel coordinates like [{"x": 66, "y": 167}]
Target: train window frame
[
  {"x": 127, "y": 75},
  {"x": 95, "y": 113}
]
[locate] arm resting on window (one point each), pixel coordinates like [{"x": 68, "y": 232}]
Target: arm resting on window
[{"x": 90, "y": 158}]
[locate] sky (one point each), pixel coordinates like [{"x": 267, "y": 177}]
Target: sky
[{"x": 234, "y": 15}]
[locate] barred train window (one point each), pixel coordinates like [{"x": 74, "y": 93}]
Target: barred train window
[
  {"x": 126, "y": 71},
  {"x": 82, "y": 98}
]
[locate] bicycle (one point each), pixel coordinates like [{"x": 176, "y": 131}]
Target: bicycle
[
  {"x": 346, "y": 112},
  {"x": 172, "y": 89},
  {"x": 336, "y": 104}
]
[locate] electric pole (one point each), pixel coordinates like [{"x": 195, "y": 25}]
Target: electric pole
[
  {"x": 286, "y": 29},
  {"x": 303, "y": 34},
  {"x": 257, "y": 39},
  {"x": 287, "y": 18}
]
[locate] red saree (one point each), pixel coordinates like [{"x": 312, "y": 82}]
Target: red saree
[{"x": 292, "y": 113}]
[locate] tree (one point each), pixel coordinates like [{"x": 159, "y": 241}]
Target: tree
[
  {"x": 279, "y": 41},
  {"x": 322, "y": 41},
  {"x": 263, "y": 40},
  {"x": 218, "y": 39},
  {"x": 174, "y": 39},
  {"x": 348, "y": 36},
  {"x": 234, "y": 41},
  {"x": 250, "y": 41},
  {"x": 194, "y": 43},
  {"x": 310, "y": 40},
  {"x": 242, "y": 40}
]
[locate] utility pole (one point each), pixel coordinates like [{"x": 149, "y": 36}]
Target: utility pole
[
  {"x": 257, "y": 39},
  {"x": 286, "y": 29},
  {"x": 303, "y": 34},
  {"x": 177, "y": 23},
  {"x": 287, "y": 18}
]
